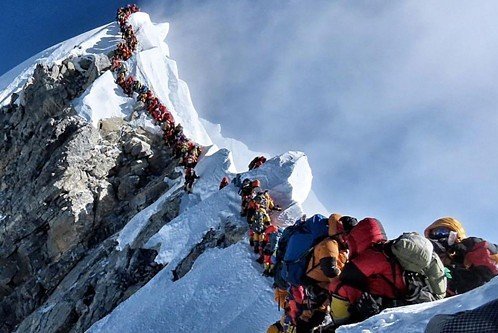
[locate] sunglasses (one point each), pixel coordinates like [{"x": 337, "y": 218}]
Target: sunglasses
[{"x": 438, "y": 233}]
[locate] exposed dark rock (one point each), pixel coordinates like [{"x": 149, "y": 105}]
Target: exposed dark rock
[
  {"x": 66, "y": 189},
  {"x": 229, "y": 234}
]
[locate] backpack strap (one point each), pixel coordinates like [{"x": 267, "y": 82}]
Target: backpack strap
[
  {"x": 313, "y": 265},
  {"x": 392, "y": 262}
]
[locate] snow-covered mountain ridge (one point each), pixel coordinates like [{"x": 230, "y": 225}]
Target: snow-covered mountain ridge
[{"x": 203, "y": 278}]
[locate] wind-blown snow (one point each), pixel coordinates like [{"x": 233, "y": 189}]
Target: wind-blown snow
[
  {"x": 149, "y": 35},
  {"x": 242, "y": 155}
]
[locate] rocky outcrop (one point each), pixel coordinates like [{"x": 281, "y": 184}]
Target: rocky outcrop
[
  {"x": 225, "y": 236},
  {"x": 66, "y": 189}
]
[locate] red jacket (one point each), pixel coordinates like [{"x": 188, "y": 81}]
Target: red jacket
[
  {"x": 478, "y": 252},
  {"x": 378, "y": 275},
  {"x": 268, "y": 231},
  {"x": 369, "y": 269}
]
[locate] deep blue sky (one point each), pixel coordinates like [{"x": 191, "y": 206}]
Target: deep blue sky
[{"x": 30, "y": 26}]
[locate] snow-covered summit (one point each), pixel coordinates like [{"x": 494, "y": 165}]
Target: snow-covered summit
[{"x": 209, "y": 282}]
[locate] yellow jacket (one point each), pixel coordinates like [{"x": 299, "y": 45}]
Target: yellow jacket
[{"x": 327, "y": 248}]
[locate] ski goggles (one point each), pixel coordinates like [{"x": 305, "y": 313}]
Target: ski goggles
[{"x": 439, "y": 233}]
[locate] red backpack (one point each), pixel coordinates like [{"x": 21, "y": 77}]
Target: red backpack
[{"x": 367, "y": 232}]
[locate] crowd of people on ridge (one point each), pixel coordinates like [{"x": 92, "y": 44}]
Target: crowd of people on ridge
[
  {"x": 187, "y": 150},
  {"x": 256, "y": 207},
  {"x": 338, "y": 270}
]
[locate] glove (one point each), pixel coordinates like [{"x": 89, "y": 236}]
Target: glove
[{"x": 365, "y": 307}]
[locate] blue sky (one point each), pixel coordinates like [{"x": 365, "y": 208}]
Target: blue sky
[
  {"x": 30, "y": 26},
  {"x": 394, "y": 103}
]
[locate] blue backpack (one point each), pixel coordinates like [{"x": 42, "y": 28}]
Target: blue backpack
[
  {"x": 303, "y": 238},
  {"x": 278, "y": 280}
]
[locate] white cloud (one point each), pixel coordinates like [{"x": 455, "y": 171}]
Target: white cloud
[{"x": 394, "y": 103}]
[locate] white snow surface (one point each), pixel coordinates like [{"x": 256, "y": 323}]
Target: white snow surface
[
  {"x": 212, "y": 167},
  {"x": 296, "y": 188},
  {"x": 103, "y": 99},
  {"x": 242, "y": 156},
  {"x": 414, "y": 318}
]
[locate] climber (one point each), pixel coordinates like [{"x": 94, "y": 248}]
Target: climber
[
  {"x": 190, "y": 177},
  {"x": 292, "y": 301},
  {"x": 244, "y": 184},
  {"x": 330, "y": 255},
  {"x": 132, "y": 43},
  {"x": 370, "y": 280},
  {"x": 247, "y": 192},
  {"x": 128, "y": 32},
  {"x": 166, "y": 116},
  {"x": 259, "y": 221},
  {"x": 325, "y": 263},
  {"x": 254, "y": 203},
  {"x": 471, "y": 261},
  {"x": 270, "y": 204},
  {"x": 272, "y": 235},
  {"x": 152, "y": 103},
  {"x": 178, "y": 130},
  {"x": 257, "y": 162},
  {"x": 137, "y": 86},
  {"x": 116, "y": 63},
  {"x": 120, "y": 79},
  {"x": 181, "y": 148},
  {"x": 123, "y": 51},
  {"x": 224, "y": 182},
  {"x": 124, "y": 13},
  {"x": 294, "y": 308}
]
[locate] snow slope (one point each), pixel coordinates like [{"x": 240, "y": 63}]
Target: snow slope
[
  {"x": 414, "y": 318},
  {"x": 224, "y": 291}
]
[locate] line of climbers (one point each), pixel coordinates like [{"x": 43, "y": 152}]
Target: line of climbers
[
  {"x": 334, "y": 271},
  {"x": 257, "y": 162},
  {"x": 257, "y": 204},
  {"x": 254, "y": 164},
  {"x": 187, "y": 150}
]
